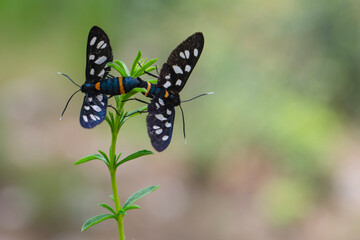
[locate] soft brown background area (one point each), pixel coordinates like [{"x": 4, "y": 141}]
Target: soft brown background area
[{"x": 273, "y": 155}]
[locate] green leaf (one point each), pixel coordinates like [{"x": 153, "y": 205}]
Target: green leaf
[
  {"x": 134, "y": 206},
  {"x": 104, "y": 155},
  {"x": 135, "y": 63},
  {"x": 112, "y": 197},
  {"x": 139, "y": 194},
  {"x": 117, "y": 159},
  {"x": 135, "y": 112},
  {"x": 135, "y": 155},
  {"x": 144, "y": 67},
  {"x": 150, "y": 69},
  {"x": 118, "y": 68},
  {"x": 91, "y": 157},
  {"x": 154, "y": 81},
  {"x": 136, "y": 90},
  {"x": 122, "y": 212},
  {"x": 107, "y": 207},
  {"x": 123, "y": 66},
  {"x": 95, "y": 220},
  {"x": 110, "y": 123}
]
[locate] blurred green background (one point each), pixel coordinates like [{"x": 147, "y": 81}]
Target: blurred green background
[{"x": 274, "y": 154}]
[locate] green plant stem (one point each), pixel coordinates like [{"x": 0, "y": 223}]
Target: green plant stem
[{"x": 112, "y": 168}]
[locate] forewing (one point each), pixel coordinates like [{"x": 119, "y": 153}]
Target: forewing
[
  {"x": 98, "y": 54},
  {"x": 160, "y": 122},
  {"x": 93, "y": 110},
  {"x": 175, "y": 72}
]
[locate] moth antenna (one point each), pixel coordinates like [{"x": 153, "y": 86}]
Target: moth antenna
[
  {"x": 183, "y": 118},
  {"x": 68, "y": 78},
  {"x": 198, "y": 96},
  {"x": 67, "y": 103}
]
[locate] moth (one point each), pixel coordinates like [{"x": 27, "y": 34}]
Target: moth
[{"x": 164, "y": 95}]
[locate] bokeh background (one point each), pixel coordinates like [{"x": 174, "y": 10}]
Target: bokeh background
[{"x": 274, "y": 154}]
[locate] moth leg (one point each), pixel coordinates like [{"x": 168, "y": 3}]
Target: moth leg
[
  {"x": 150, "y": 74},
  {"x": 114, "y": 109},
  {"x": 137, "y": 111}
]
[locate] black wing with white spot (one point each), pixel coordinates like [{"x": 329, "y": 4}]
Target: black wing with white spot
[
  {"x": 98, "y": 54},
  {"x": 160, "y": 121},
  {"x": 175, "y": 72},
  {"x": 93, "y": 110}
]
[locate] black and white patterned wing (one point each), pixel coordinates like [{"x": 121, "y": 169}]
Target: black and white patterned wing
[
  {"x": 182, "y": 60},
  {"x": 160, "y": 122},
  {"x": 98, "y": 54},
  {"x": 93, "y": 110}
]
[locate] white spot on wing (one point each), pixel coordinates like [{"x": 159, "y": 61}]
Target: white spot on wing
[
  {"x": 92, "y": 117},
  {"x": 96, "y": 108},
  {"x": 178, "y": 82},
  {"x": 156, "y": 127},
  {"x": 104, "y": 46},
  {"x": 93, "y": 40},
  {"x": 167, "y": 84},
  {"x": 99, "y": 97},
  {"x": 187, "y": 68},
  {"x": 168, "y": 111},
  {"x": 187, "y": 54},
  {"x": 177, "y": 69},
  {"x": 164, "y": 138},
  {"x": 167, "y": 76},
  {"x": 87, "y": 108},
  {"x": 91, "y": 57},
  {"x": 157, "y": 105},
  {"x": 167, "y": 124},
  {"x": 182, "y": 55},
  {"x": 158, "y": 131},
  {"x": 196, "y": 52},
  {"x": 100, "y": 44},
  {"x": 101, "y": 73},
  {"x": 160, "y": 117},
  {"x": 161, "y": 102},
  {"x": 101, "y": 60},
  {"x": 90, "y": 99},
  {"x": 98, "y": 118},
  {"x": 92, "y": 71},
  {"x": 85, "y": 118}
]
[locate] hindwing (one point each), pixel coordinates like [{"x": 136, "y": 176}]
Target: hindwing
[
  {"x": 160, "y": 121},
  {"x": 182, "y": 60},
  {"x": 98, "y": 54},
  {"x": 93, "y": 110}
]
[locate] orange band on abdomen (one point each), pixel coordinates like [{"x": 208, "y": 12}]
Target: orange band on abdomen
[
  {"x": 166, "y": 94},
  {"x": 122, "y": 91},
  {"x": 147, "y": 89},
  {"x": 97, "y": 86}
]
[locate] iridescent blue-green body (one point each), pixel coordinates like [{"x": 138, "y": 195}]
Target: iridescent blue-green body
[{"x": 122, "y": 85}]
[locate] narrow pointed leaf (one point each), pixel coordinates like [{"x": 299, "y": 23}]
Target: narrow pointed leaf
[
  {"x": 123, "y": 65},
  {"x": 134, "y": 206},
  {"x": 139, "y": 194},
  {"x": 95, "y": 220},
  {"x": 107, "y": 207},
  {"x": 118, "y": 68},
  {"x": 154, "y": 81},
  {"x": 112, "y": 197},
  {"x": 135, "y": 155},
  {"x": 91, "y": 157},
  {"x": 122, "y": 212},
  {"x": 104, "y": 155},
  {"x": 135, "y": 112},
  {"x": 136, "y": 60}
]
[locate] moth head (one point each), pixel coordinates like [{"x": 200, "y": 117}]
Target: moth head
[
  {"x": 173, "y": 99},
  {"x": 88, "y": 88}
]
